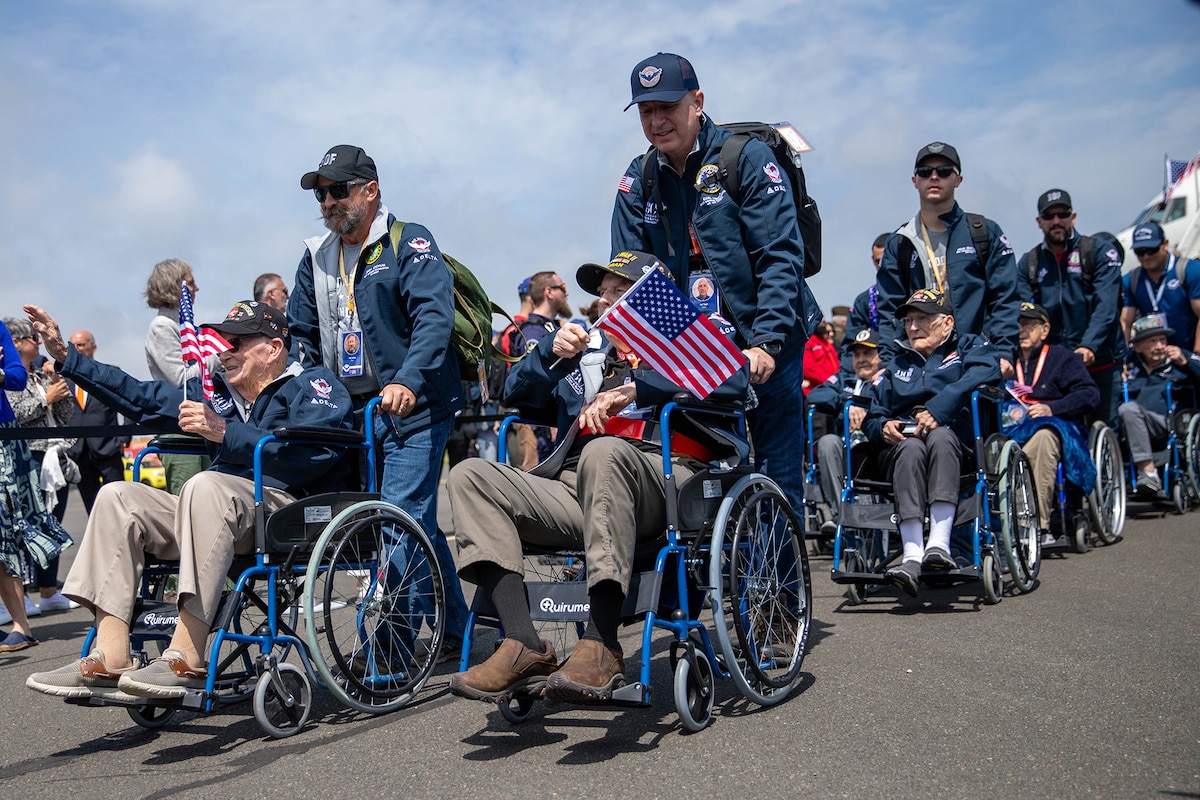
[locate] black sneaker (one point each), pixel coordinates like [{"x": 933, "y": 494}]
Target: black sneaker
[
  {"x": 938, "y": 559},
  {"x": 906, "y": 575}
]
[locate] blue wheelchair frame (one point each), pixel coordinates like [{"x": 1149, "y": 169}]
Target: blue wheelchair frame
[{"x": 1180, "y": 471}]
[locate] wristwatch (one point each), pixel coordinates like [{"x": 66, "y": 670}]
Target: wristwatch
[{"x": 771, "y": 348}]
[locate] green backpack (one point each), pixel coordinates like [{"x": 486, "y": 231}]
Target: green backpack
[{"x": 472, "y": 336}]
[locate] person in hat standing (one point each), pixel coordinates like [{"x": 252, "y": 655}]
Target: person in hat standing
[
  {"x": 1153, "y": 364},
  {"x": 1058, "y": 394},
  {"x": 212, "y": 518},
  {"x": 752, "y": 254},
  {"x": 1077, "y": 280},
  {"x": 381, "y": 318},
  {"x": 601, "y": 492},
  {"x": 920, "y": 426},
  {"x": 1164, "y": 284},
  {"x": 941, "y": 249}
]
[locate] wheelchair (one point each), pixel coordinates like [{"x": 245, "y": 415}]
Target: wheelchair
[
  {"x": 816, "y": 515},
  {"x": 732, "y": 558},
  {"x": 1082, "y": 515},
  {"x": 361, "y": 573},
  {"x": 995, "y": 526},
  {"x": 1179, "y": 460}
]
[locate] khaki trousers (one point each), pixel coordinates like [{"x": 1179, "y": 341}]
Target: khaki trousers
[
  {"x": 210, "y": 521},
  {"x": 1044, "y": 451},
  {"x": 611, "y": 502}
]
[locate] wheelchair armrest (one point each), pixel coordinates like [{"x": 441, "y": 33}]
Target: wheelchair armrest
[
  {"x": 689, "y": 402},
  {"x": 180, "y": 444},
  {"x": 319, "y": 435},
  {"x": 989, "y": 391}
]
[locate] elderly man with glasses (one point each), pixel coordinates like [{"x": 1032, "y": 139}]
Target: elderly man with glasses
[
  {"x": 373, "y": 301},
  {"x": 1162, "y": 283},
  {"x": 212, "y": 518}
]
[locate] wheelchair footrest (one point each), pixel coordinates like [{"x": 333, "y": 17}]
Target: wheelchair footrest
[
  {"x": 842, "y": 576},
  {"x": 950, "y": 577},
  {"x": 632, "y": 694}
]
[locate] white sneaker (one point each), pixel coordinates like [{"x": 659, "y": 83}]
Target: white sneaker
[
  {"x": 5, "y": 617},
  {"x": 30, "y": 609},
  {"x": 57, "y": 602}
]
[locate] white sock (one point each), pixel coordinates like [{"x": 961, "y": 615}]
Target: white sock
[
  {"x": 912, "y": 533},
  {"x": 941, "y": 523}
]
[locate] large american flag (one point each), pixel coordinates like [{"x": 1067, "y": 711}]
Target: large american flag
[
  {"x": 197, "y": 346},
  {"x": 1176, "y": 172},
  {"x": 665, "y": 330}
]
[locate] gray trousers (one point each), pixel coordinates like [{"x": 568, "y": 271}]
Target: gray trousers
[
  {"x": 1143, "y": 430},
  {"x": 924, "y": 471},
  {"x": 831, "y": 463},
  {"x": 210, "y": 520},
  {"x": 611, "y": 502}
]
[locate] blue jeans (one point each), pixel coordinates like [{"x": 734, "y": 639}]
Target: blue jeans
[
  {"x": 411, "y": 469},
  {"x": 776, "y": 427}
]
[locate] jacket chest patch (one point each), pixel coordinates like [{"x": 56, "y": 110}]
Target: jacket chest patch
[
  {"x": 905, "y": 375},
  {"x": 650, "y": 215}
]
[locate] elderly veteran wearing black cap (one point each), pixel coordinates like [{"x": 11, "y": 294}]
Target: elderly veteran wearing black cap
[
  {"x": 601, "y": 491},
  {"x": 920, "y": 423},
  {"x": 212, "y": 518},
  {"x": 1056, "y": 394},
  {"x": 846, "y": 386},
  {"x": 942, "y": 248},
  {"x": 1152, "y": 365}
]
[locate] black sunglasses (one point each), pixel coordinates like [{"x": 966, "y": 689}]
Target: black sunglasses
[
  {"x": 338, "y": 191},
  {"x": 235, "y": 342},
  {"x": 943, "y": 171},
  {"x": 1141, "y": 252},
  {"x": 1049, "y": 215}
]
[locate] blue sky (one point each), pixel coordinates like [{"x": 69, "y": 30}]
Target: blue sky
[{"x": 137, "y": 130}]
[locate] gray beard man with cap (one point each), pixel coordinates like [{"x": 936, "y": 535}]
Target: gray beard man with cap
[
  {"x": 939, "y": 249},
  {"x": 373, "y": 300}
]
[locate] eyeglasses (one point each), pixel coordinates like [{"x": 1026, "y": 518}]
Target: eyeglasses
[
  {"x": 921, "y": 321},
  {"x": 33, "y": 337},
  {"x": 1142, "y": 252},
  {"x": 943, "y": 171},
  {"x": 1049, "y": 215},
  {"x": 236, "y": 342},
  {"x": 562, "y": 286},
  {"x": 338, "y": 191}
]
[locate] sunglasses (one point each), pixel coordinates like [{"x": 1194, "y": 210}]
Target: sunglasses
[
  {"x": 33, "y": 337},
  {"x": 338, "y": 191},
  {"x": 943, "y": 171},
  {"x": 1049, "y": 215},
  {"x": 236, "y": 342},
  {"x": 1142, "y": 252}
]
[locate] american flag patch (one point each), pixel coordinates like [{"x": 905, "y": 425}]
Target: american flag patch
[{"x": 626, "y": 184}]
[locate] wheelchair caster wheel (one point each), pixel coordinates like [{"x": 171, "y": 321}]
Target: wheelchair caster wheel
[
  {"x": 282, "y": 710},
  {"x": 517, "y": 708},
  {"x": 1179, "y": 497},
  {"x": 694, "y": 692},
  {"x": 855, "y": 593},
  {"x": 151, "y": 717},
  {"x": 1083, "y": 534},
  {"x": 993, "y": 580}
]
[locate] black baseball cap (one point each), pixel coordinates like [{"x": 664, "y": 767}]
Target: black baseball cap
[
  {"x": 630, "y": 265},
  {"x": 664, "y": 77},
  {"x": 1053, "y": 197},
  {"x": 250, "y": 317},
  {"x": 1034, "y": 311},
  {"x": 345, "y": 162},
  {"x": 938, "y": 149},
  {"x": 929, "y": 301}
]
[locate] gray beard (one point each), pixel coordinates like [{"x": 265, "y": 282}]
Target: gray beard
[{"x": 349, "y": 221}]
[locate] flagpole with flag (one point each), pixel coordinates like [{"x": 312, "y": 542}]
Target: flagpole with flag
[{"x": 196, "y": 345}]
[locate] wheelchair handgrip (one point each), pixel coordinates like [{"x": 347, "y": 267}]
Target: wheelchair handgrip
[{"x": 314, "y": 434}]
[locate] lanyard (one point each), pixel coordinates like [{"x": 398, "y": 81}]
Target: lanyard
[
  {"x": 348, "y": 282},
  {"x": 1156, "y": 297},
  {"x": 872, "y": 308},
  {"x": 934, "y": 261},
  {"x": 1037, "y": 371}
]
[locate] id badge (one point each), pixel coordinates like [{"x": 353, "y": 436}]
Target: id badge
[
  {"x": 703, "y": 292},
  {"x": 351, "y": 354}
]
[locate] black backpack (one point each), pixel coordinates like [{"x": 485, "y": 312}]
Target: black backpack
[
  {"x": 807, "y": 215},
  {"x": 1087, "y": 259}
]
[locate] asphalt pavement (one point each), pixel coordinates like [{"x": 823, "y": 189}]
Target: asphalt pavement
[{"x": 1089, "y": 687}]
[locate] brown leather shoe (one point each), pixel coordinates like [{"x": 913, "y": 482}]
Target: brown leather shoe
[
  {"x": 589, "y": 676},
  {"x": 512, "y": 669}
]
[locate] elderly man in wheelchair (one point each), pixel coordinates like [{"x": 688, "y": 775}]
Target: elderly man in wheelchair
[
  {"x": 1049, "y": 399},
  {"x": 601, "y": 491},
  {"x": 920, "y": 429},
  {"x": 213, "y": 516}
]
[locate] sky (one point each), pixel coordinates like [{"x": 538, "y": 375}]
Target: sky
[{"x": 139, "y": 130}]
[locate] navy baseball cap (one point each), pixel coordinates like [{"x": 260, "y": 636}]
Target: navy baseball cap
[
  {"x": 345, "y": 162},
  {"x": 1053, "y": 197},
  {"x": 1147, "y": 236},
  {"x": 664, "y": 77},
  {"x": 938, "y": 149},
  {"x": 929, "y": 301}
]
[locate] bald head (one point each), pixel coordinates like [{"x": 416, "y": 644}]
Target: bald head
[{"x": 84, "y": 342}]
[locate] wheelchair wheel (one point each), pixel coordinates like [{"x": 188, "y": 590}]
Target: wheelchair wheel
[
  {"x": 1019, "y": 537},
  {"x": 281, "y": 707},
  {"x": 1107, "y": 498},
  {"x": 855, "y": 593},
  {"x": 695, "y": 691},
  {"x": 1179, "y": 496},
  {"x": 993, "y": 580},
  {"x": 1191, "y": 452},
  {"x": 151, "y": 717},
  {"x": 376, "y": 586},
  {"x": 761, "y": 596},
  {"x": 1082, "y": 535}
]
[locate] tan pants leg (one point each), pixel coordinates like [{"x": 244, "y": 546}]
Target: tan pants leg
[{"x": 1044, "y": 452}]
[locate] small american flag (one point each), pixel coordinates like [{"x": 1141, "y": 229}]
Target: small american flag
[
  {"x": 626, "y": 184},
  {"x": 197, "y": 346},
  {"x": 1176, "y": 172},
  {"x": 672, "y": 336}
]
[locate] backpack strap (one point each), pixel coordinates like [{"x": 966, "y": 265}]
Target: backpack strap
[
  {"x": 1087, "y": 258},
  {"x": 1032, "y": 258},
  {"x": 727, "y": 164},
  {"x": 650, "y": 189},
  {"x": 979, "y": 237}
]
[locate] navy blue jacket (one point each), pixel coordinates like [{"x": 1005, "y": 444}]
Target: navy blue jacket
[
  {"x": 754, "y": 251},
  {"x": 984, "y": 296},
  {"x": 1082, "y": 313},
  {"x": 830, "y": 396},
  {"x": 942, "y": 384},
  {"x": 311, "y": 397},
  {"x": 405, "y": 303},
  {"x": 1148, "y": 387},
  {"x": 1064, "y": 383}
]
